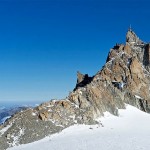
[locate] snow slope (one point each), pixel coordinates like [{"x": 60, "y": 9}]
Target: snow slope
[{"x": 129, "y": 131}]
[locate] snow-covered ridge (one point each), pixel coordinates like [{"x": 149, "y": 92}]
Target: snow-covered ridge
[{"x": 129, "y": 131}]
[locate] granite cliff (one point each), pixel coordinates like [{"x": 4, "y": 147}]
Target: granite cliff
[{"x": 125, "y": 78}]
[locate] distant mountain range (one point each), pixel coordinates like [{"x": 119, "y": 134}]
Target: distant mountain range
[{"x": 6, "y": 113}]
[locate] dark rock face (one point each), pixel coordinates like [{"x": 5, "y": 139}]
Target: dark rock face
[
  {"x": 125, "y": 78},
  {"x": 82, "y": 80},
  {"x": 146, "y": 57}
]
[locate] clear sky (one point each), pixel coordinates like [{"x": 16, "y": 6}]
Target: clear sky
[{"x": 43, "y": 43}]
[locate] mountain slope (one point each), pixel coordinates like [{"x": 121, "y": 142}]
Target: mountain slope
[
  {"x": 126, "y": 132},
  {"x": 123, "y": 79}
]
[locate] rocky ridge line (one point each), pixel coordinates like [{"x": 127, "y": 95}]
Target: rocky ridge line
[{"x": 125, "y": 78}]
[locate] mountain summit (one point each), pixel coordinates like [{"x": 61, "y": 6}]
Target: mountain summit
[
  {"x": 132, "y": 38},
  {"x": 125, "y": 78}
]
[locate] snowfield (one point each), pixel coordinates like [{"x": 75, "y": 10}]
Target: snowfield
[{"x": 129, "y": 131}]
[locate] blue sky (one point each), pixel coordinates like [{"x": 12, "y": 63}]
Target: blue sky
[{"x": 43, "y": 43}]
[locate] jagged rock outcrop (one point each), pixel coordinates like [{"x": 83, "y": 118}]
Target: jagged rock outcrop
[
  {"x": 125, "y": 78},
  {"x": 82, "y": 79},
  {"x": 132, "y": 38}
]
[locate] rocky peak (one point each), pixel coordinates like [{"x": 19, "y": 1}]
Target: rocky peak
[
  {"x": 125, "y": 78},
  {"x": 132, "y": 38}
]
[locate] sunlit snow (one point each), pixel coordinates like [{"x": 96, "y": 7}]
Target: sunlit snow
[{"x": 129, "y": 131}]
